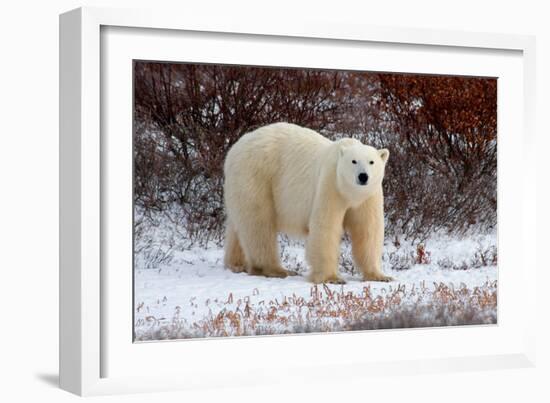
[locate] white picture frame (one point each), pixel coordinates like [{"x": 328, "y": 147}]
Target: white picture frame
[{"x": 86, "y": 345}]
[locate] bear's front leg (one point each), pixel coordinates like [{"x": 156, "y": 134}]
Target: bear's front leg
[
  {"x": 323, "y": 242},
  {"x": 365, "y": 225}
]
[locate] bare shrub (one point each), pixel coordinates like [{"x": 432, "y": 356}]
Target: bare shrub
[
  {"x": 441, "y": 132},
  {"x": 399, "y": 261},
  {"x": 422, "y": 255},
  {"x": 485, "y": 257},
  {"x": 444, "y": 150},
  {"x": 482, "y": 257}
]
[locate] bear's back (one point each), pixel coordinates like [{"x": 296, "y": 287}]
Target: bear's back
[
  {"x": 276, "y": 147},
  {"x": 285, "y": 135}
]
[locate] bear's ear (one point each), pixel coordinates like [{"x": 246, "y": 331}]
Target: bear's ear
[{"x": 384, "y": 154}]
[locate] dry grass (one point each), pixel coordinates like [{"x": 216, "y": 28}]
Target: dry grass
[{"x": 329, "y": 309}]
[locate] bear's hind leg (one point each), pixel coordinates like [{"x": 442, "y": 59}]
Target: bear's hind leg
[
  {"x": 258, "y": 236},
  {"x": 234, "y": 257}
]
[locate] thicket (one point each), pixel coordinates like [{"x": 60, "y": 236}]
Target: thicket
[{"x": 441, "y": 132}]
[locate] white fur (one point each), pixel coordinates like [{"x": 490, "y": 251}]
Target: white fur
[{"x": 289, "y": 179}]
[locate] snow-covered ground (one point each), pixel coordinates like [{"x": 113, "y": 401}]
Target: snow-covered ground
[{"x": 188, "y": 293}]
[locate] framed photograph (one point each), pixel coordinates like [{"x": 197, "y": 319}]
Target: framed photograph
[{"x": 242, "y": 203}]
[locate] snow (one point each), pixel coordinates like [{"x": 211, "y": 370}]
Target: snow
[{"x": 193, "y": 283}]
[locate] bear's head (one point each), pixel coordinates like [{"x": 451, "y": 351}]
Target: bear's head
[{"x": 359, "y": 170}]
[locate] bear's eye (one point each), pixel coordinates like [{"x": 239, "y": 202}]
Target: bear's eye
[
  {"x": 354, "y": 162},
  {"x": 372, "y": 162}
]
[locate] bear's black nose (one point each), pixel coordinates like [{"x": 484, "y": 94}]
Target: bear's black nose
[{"x": 363, "y": 178}]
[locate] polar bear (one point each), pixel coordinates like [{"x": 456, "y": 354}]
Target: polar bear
[{"x": 283, "y": 178}]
